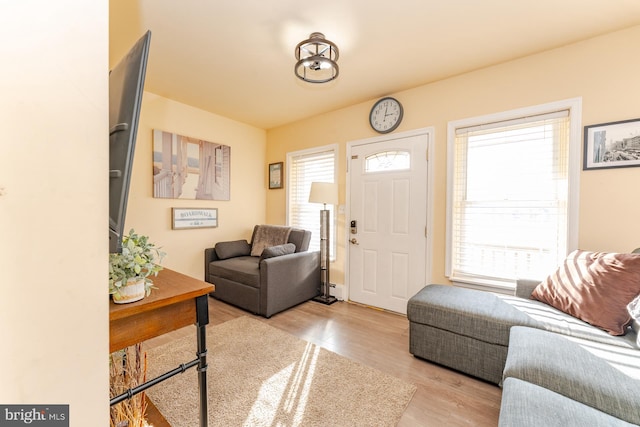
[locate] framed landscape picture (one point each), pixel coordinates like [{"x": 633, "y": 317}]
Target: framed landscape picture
[{"x": 612, "y": 145}]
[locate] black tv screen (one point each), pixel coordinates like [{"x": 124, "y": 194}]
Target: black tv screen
[{"x": 126, "y": 85}]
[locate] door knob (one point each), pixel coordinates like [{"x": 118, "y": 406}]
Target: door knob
[{"x": 354, "y": 241}]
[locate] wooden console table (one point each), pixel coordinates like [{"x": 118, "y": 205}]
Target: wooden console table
[{"x": 179, "y": 301}]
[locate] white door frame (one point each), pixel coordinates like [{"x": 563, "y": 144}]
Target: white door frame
[{"x": 430, "y": 132}]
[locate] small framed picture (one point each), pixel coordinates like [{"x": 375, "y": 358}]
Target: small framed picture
[
  {"x": 275, "y": 175},
  {"x": 183, "y": 218},
  {"x": 612, "y": 145}
]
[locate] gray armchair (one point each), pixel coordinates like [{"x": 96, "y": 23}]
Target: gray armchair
[{"x": 267, "y": 275}]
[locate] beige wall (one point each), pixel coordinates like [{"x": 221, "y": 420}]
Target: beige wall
[
  {"x": 151, "y": 216},
  {"x": 53, "y": 213},
  {"x": 604, "y": 71}
]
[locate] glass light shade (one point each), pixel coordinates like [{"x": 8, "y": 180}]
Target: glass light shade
[{"x": 316, "y": 59}]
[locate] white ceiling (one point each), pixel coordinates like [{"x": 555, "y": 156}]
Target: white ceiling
[{"x": 235, "y": 58}]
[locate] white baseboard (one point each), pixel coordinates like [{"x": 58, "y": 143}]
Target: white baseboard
[{"x": 338, "y": 291}]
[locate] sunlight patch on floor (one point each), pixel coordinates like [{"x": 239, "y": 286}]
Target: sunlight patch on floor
[{"x": 292, "y": 384}]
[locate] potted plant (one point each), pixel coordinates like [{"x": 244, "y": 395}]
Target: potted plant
[{"x": 130, "y": 271}]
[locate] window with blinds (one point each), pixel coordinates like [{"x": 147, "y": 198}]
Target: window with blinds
[
  {"x": 305, "y": 167},
  {"x": 509, "y": 199}
]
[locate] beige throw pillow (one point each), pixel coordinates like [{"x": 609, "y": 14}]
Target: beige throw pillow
[{"x": 595, "y": 287}]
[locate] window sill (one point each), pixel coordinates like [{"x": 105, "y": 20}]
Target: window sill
[{"x": 505, "y": 288}]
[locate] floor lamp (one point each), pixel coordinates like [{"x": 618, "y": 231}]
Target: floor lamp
[{"x": 325, "y": 193}]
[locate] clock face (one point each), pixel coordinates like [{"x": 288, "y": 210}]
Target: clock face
[{"x": 386, "y": 115}]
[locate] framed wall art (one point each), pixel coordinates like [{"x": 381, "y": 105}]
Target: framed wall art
[
  {"x": 612, "y": 145},
  {"x": 275, "y": 175},
  {"x": 190, "y": 168},
  {"x": 183, "y": 218}
]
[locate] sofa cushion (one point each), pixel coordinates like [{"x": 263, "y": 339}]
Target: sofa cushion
[
  {"x": 528, "y": 405},
  {"x": 634, "y": 308},
  {"x": 635, "y": 326},
  {"x": 595, "y": 287},
  {"x": 634, "y": 311},
  {"x": 232, "y": 249},
  {"x": 524, "y": 287},
  {"x": 597, "y": 375},
  {"x": 242, "y": 269},
  {"x": 551, "y": 319},
  {"x": 278, "y": 250}
]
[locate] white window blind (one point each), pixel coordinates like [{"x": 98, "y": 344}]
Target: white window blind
[
  {"x": 509, "y": 198},
  {"x": 304, "y": 168}
]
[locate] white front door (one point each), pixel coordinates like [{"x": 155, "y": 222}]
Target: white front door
[{"x": 388, "y": 215}]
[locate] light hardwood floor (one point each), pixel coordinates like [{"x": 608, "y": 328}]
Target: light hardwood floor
[{"x": 381, "y": 340}]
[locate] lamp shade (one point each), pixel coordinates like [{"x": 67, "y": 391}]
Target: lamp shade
[{"x": 324, "y": 192}]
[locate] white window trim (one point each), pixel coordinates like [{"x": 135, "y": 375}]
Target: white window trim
[
  {"x": 574, "y": 105},
  {"x": 334, "y": 227}
]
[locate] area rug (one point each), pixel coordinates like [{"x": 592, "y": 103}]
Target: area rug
[{"x": 261, "y": 376}]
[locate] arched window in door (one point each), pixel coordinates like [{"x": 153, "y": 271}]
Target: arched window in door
[{"x": 388, "y": 161}]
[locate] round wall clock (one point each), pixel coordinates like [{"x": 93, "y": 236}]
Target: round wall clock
[{"x": 386, "y": 115}]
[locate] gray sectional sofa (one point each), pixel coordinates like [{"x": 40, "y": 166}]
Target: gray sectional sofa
[{"x": 555, "y": 369}]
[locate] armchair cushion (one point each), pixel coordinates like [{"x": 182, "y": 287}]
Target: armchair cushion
[
  {"x": 278, "y": 250},
  {"x": 265, "y": 236},
  {"x": 300, "y": 238},
  {"x": 232, "y": 249},
  {"x": 242, "y": 269}
]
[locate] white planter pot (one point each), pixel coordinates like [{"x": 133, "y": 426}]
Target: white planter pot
[{"x": 131, "y": 292}]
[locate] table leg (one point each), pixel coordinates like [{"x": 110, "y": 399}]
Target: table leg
[{"x": 202, "y": 312}]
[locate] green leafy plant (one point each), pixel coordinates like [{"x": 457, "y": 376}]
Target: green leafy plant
[{"x": 139, "y": 258}]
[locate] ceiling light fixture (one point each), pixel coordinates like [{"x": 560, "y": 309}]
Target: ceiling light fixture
[{"x": 316, "y": 59}]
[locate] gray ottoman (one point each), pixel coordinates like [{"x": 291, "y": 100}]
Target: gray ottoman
[{"x": 463, "y": 329}]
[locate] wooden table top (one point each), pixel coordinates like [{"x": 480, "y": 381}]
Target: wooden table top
[{"x": 173, "y": 287}]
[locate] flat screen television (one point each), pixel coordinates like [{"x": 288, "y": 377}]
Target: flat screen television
[{"x": 126, "y": 84}]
